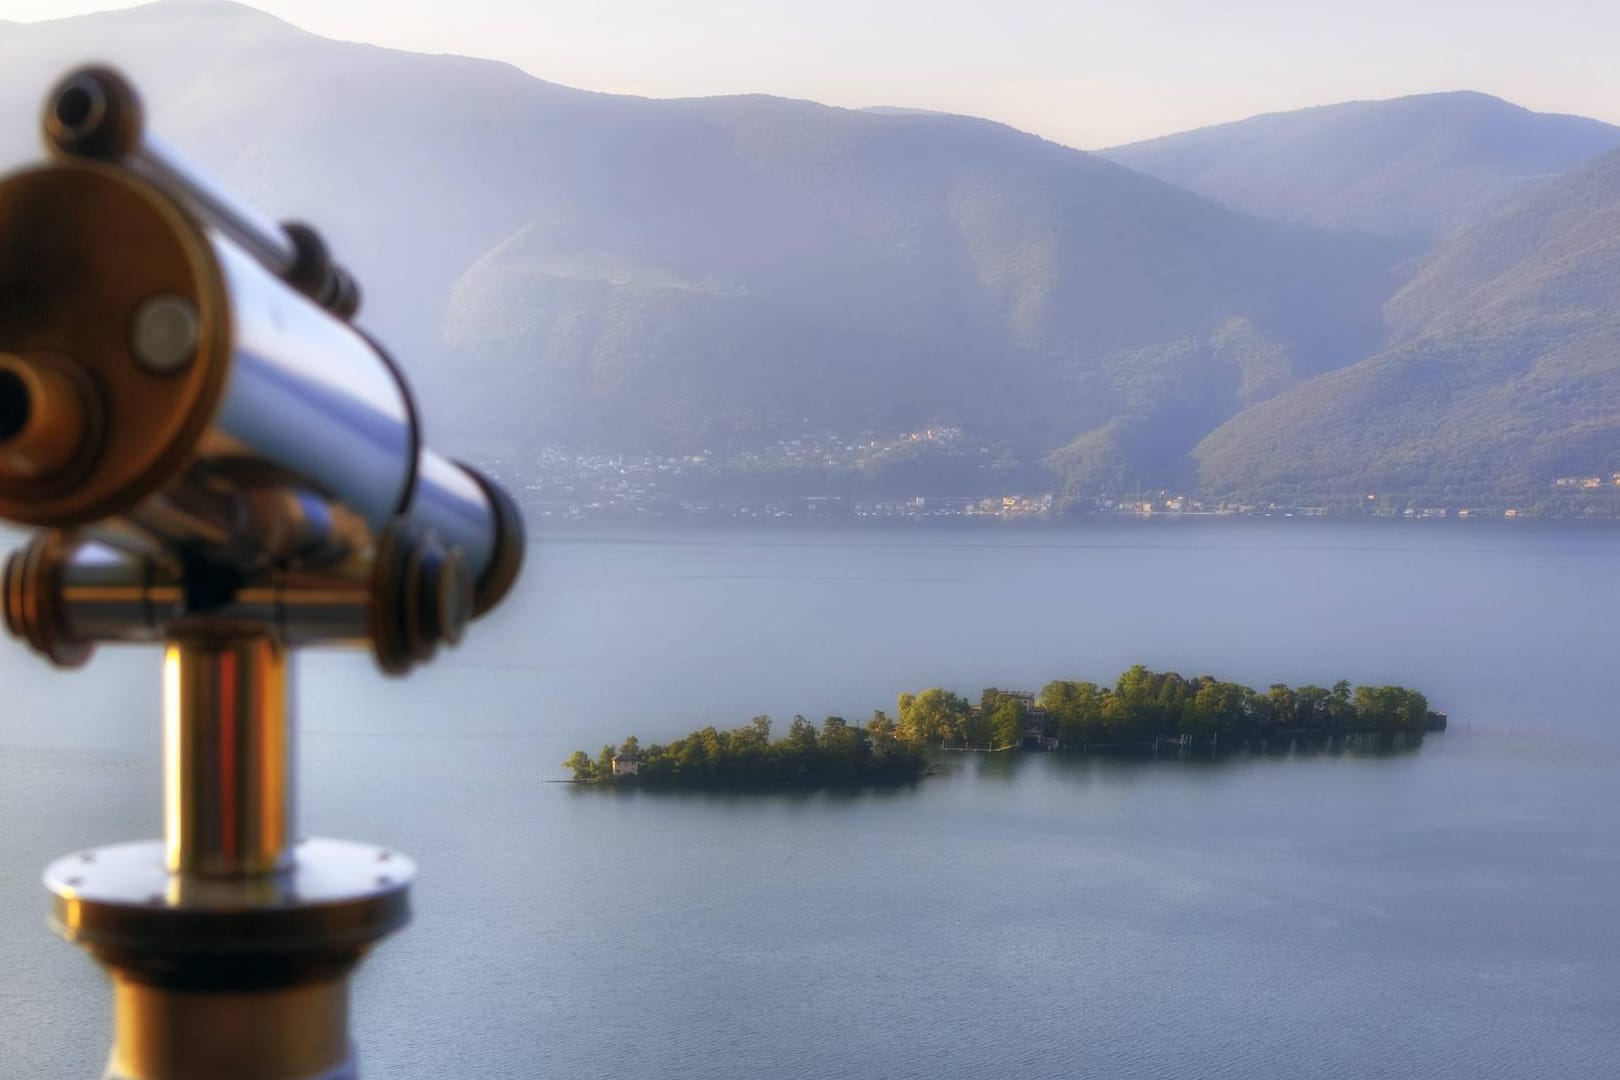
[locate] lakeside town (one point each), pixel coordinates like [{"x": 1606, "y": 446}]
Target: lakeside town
[{"x": 936, "y": 474}]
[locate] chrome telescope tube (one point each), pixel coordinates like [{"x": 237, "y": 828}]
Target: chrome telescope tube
[{"x": 178, "y": 377}]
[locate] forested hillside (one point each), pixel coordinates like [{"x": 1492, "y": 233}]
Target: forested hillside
[{"x": 1504, "y": 374}]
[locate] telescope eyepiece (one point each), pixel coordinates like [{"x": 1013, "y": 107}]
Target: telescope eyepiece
[
  {"x": 44, "y": 426},
  {"x": 16, "y": 405},
  {"x": 79, "y": 108}
]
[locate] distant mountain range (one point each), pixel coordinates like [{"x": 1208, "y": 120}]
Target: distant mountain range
[
  {"x": 1416, "y": 169},
  {"x": 1415, "y": 292},
  {"x": 1502, "y": 373}
]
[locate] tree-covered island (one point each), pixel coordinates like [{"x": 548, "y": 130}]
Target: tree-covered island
[
  {"x": 1141, "y": 711},
  {"x": 838, "y": 754}
]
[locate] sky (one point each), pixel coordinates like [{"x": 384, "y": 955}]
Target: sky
[{"x": 1089, "y": 73}]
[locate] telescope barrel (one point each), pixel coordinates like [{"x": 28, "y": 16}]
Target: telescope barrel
[{"x": 167, "y": 392}]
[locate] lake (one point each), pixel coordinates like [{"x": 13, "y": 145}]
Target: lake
[{"x": 1452, "y": 912}]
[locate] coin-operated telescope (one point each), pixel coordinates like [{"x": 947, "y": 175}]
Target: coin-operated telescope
[{"x": 223, "y": 464}]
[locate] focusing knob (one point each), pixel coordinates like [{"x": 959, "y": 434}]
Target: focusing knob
[
  {"x": 93, "y": 113},
  {"x": 422, "y": 596},
  {"x": 32, "y": 599}
]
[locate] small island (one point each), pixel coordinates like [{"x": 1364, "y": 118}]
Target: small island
[{"x": 1141, "y": 714}]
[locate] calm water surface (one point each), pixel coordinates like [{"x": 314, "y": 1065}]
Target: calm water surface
[{"x": 1451, "y": 913}]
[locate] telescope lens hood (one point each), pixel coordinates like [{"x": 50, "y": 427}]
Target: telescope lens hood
[{"x": 506, "y": 560}]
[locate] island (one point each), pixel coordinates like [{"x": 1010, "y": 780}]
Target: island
[{"x": 1143, "y": 714}]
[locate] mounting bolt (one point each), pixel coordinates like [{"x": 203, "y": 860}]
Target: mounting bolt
[{"x": 165, "y": 335}]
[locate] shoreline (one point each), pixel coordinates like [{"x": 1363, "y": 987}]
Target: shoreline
[
  {"x": 1071, "y": 524},
  {"x": 1351, "y": 745}
]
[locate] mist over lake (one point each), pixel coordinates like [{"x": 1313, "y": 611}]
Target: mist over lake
[{"x": 1447, "y": 912}]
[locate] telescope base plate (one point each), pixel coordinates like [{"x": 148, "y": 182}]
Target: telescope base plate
[{"x": 123, "y": 904}]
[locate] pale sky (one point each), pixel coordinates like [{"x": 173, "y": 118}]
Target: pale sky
[{"x": 1089, "y": 73}]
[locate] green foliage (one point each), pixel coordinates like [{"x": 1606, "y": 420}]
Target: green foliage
[
  {"x": 1076, "y": 708},
  {"x": 933, "y": 717},
  {"x": 1390, "y": 709},
  {"x": 1145, "y": 705},
  {"x": 1006, "y": 722},
  {"x": 880, "y": 727},
  {"x": 838, "y": 753},
  {"x": 1142, "y": 706}
]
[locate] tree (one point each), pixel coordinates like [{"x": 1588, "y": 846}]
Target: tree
[
  {"x": 1311, "y": 706},
  {"x": 1076, "y": 709},
  {"x": 631, "y": 747},
  {"x": 802, "y": 735},
  {"x": 903, "y": 707},
  {"x": 836, "y": 735},
  {"x": 1390, "y": 709},
  {"x": 1341, "y": 709},
  {"x": 761, "y": 727},
  {"x": 580, "y": 762},
  {"x": 1416, "y": 709},
  {"x": 1284, "y": 704},
  {"x": 1007, "y": 722},
  {"x": 975, "y": 727},
  {"x": 880, "y": 727},
  {"x": 844, "y": 748},
  {"x": 715, "y": 748},
  {"x": 1135, "y": 685},
  {"x": 604, "y": 762},
  {"x": 1149, "y": 704},
  {"x": 1172, "y": 692},
  {"x": 690, "y": 755},
  {"x": 933, "y": 716}
]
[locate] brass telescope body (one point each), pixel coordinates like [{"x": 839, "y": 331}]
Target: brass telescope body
[{"x": 223, "y": 465}]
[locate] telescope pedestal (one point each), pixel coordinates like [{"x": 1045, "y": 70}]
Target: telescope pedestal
[
  {"x": 229, "y": 943},
  {"x": 300, "y": 1032},
  {"x": 247, "y": 979}
]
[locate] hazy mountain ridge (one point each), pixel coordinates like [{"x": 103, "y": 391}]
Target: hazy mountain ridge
[
  {"x": 556, "y": 266},
  {"x": 1414, "y": 168},
  {"x": 885, "y": 273},
  {"x": 1505, "y": 377}
]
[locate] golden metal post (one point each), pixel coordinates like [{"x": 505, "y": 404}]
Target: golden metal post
[
  {"x": 296, "y": 1034},
  {"x": 227, "y": 757}
]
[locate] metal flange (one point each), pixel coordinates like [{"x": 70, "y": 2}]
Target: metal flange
[{"x": 189, "y": 932}]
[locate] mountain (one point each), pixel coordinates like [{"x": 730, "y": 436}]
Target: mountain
[
  {"x": 559, "y": 266},
  {"x": 795, "y": 266},
  {"x": 1413, "y": 168},
  {"x": 1502, "y": 376}
]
